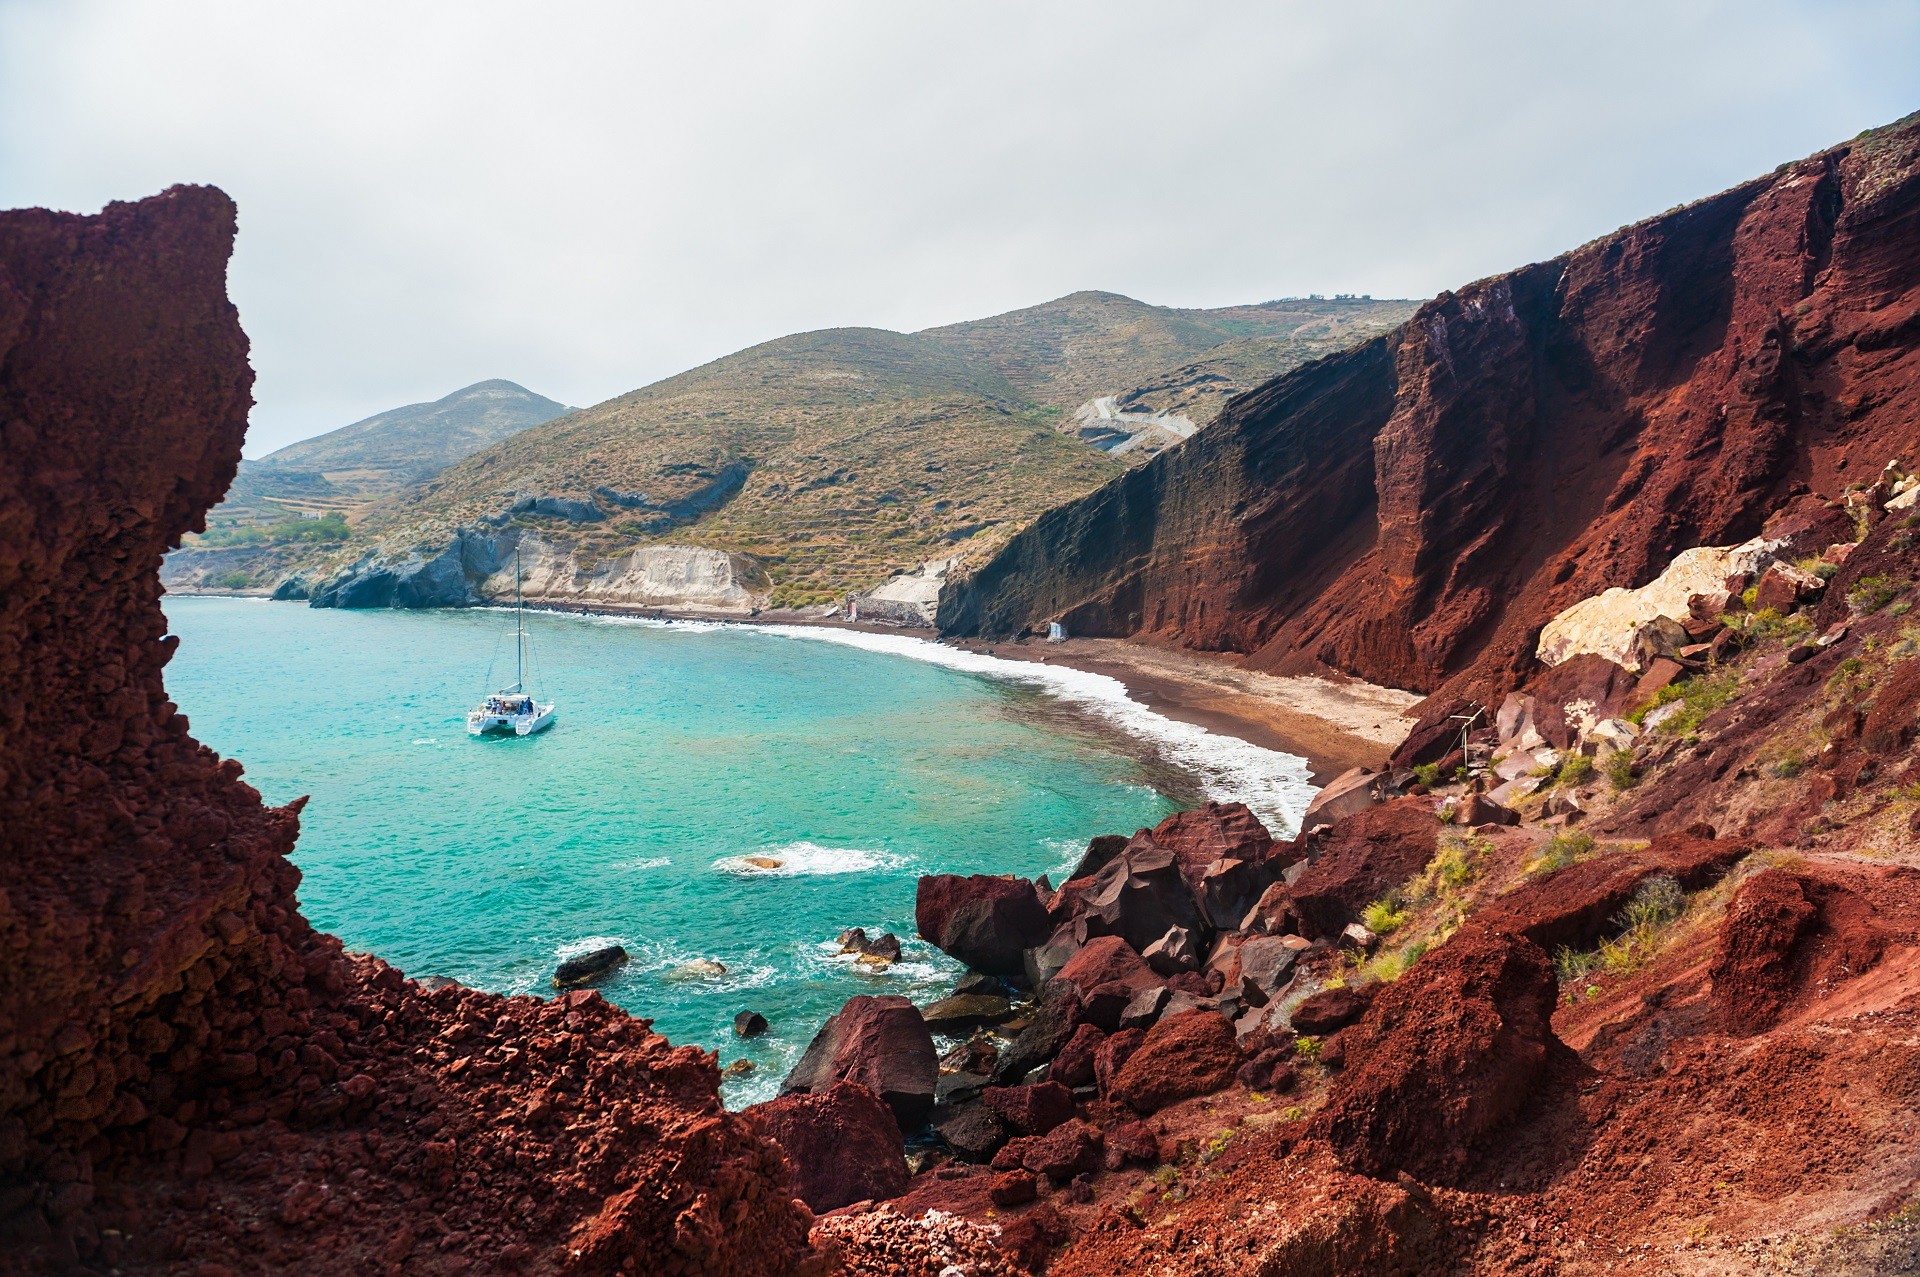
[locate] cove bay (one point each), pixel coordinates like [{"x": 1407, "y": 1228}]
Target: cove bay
[{"x": 682, "y": 750}]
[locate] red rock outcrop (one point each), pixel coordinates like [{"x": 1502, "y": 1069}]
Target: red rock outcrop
[
  {"x": 187, "y": 1070},
  {"x": 844, "y": 1146},
  {"x": 1413, "y": 510},
  {"x": 1444, "y": 1057},
  {"x": 1364, "y": 857}
]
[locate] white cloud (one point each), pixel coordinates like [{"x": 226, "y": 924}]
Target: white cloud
[{"x": 585, "y": 197}]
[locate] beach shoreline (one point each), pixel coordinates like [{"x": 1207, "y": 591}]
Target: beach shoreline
[{"x": 1335, "y": 724}]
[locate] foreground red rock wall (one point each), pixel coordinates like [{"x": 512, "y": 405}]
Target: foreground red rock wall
[
  {"x": 187, "y": 1070},
  {"x": 1412, "y": 511},
  {"x": 133, "y": 859}
]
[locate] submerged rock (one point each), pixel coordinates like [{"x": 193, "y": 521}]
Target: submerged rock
[
  {"x": 589, "y": 967},
  {"x": 965, "y": 1011}
]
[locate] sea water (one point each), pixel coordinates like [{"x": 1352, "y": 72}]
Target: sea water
[{"x": 680, "y": 750}]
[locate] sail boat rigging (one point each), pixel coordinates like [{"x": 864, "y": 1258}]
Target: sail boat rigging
[{"x": 512, "y": 711}]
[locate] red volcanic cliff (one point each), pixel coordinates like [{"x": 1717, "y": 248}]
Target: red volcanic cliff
[
  {"x": 1412, "y": 511},
  {"x": 187, "y": 1070}
]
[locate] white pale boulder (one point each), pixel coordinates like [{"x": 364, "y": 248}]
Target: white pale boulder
[{"x": 1611, "y": 623}]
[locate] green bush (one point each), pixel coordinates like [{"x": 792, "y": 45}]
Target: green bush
[
  {"x": 1428, "y": 774},
  {"x": 1818, "y": 566},
  {"x": 235, "y": 580},
  {"x": 1562, "y": 850},
  {"x": 1700, "y": 698},
  {"x": 331, "y": 526},
  {"x": 1871, "y": 593},
  {"x": 1657, "y": 903},
  {"x": 1575, "y": 769},
  {"x": 1384, "y": 917},
  {"x": 1620, "y": 770}
]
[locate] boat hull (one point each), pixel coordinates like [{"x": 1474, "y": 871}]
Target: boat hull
[{"x": 510, "y": 724}]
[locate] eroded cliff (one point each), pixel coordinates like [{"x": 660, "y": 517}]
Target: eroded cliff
[
  {"x": 1414, "y": 510},
  {"x": 187, "y": 1070}
]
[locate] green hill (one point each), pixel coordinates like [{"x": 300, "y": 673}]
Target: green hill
[
  {"x": 344, "y": 469},
  {"x": 835, "y": 459}
]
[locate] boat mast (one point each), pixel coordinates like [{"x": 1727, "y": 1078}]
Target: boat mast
[{"x": 519, "y": 629}]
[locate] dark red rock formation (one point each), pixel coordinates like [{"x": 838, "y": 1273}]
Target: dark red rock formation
[
  {"x": 1412, "y": 511},
  {"x": 187, "y": 1070},
  {"x": 883, "y": 1044},
  {"x": 1363, "y": 857},
  {"x": 1182, "y": 1056},
  {"x": 983, "y": 921},
  {"x": 844, "y": 1146},
  {"x": 1444, "y": 1057}
]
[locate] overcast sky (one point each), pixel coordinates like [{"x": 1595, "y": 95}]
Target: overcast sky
[{"x": 587, "y": 197}]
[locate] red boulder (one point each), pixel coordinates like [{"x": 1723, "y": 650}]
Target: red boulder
[
  {"x": 844, "y": 1146},
  {"x": 986, "y": 922},
  {"x": 883, "y": 1044},
  {"x": 1184, "y": 1055},
  {"x": 1107, "y": 960},
  {"x": 1331, "y": 1010},
  {"x": 1031, "y": 1110},
  {"x": 1363, "y": 858}
]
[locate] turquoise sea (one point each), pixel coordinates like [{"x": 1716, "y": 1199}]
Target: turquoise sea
[{"x": 679, "y": 750}]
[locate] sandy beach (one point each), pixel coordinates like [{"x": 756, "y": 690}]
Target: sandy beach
[{"x": 1333, "y": 724}]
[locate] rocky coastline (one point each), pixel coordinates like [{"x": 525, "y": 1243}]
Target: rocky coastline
[{"x": 1615, "y": 964}]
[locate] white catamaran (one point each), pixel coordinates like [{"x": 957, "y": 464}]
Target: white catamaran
[{"x": 512, "y": 711}]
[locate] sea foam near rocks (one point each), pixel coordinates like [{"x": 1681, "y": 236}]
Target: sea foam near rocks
[{"x": 809, "y": 858}]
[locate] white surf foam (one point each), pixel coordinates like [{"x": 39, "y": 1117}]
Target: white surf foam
[
  {"x": 799, "y": 859},
  {"x": 1273, "y": 784},
  {"x": 574, "y": 948}
]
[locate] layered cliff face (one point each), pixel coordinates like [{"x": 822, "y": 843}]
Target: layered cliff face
[
  {"x": 188, "y": 1070},
  {"x": 1414, "y": 510}
]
